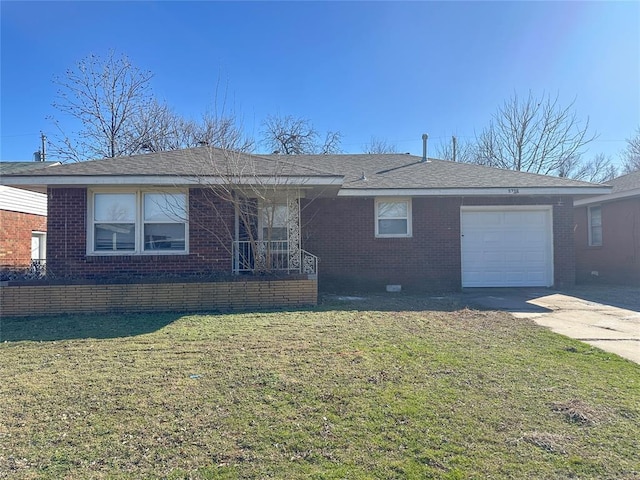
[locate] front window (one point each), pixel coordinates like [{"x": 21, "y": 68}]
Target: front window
[
  {"x": 138, "y": 222},
  {"x": 393, "y": 218},
  {"x": 595, "y": 226},
  {"x": 114, "y": 217},
  {"x": 164, "y": 221}
]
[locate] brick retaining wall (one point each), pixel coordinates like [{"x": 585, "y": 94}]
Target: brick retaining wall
[{"x": 30, "y": 300}]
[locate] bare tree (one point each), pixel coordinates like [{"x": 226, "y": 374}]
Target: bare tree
[
  {"x": 532, "y": 135},
  {"x": 289, "y": 135},
  {"x": 456, "y": 150},
  {"x": 379, "y": 145},
  {"x": 159, "y": 128},
  {"x": 258, "y": 193},
  {"x": 222, "y": 131},
  {"x": 119, "y": 116},
  {"x": 598, "y": 170},
  {"x": 631, "y": 154},
  {"x": 105, "y": 96},
  {"x": 331, "y": 143}
]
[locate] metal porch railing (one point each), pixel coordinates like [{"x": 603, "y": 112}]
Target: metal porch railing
[{"x": 271, "y": 256}]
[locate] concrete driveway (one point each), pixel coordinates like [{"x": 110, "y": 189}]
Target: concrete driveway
[{"x": 605, "y": 317}]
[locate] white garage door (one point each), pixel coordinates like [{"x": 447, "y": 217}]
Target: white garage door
[{"x": 506, "y": 246}]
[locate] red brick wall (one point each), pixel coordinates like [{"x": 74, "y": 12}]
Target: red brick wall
[
  {"x": 617, "y": 261},
  {"x": 209, "y": 253},
  {"x": 341, "y": 232},
  {"x": 15, "y": 237}
]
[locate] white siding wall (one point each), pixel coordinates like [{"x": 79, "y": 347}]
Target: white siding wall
[{"x": 17, "y": 200}]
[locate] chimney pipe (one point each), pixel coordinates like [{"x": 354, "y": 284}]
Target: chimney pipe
[{"x": 425, "y": 137}]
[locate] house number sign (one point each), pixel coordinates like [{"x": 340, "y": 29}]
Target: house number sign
[{"x": 514, "y": 190}]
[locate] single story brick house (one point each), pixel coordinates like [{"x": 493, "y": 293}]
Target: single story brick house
[
  {"x": 360, "y": 221},
  {"x": 23, "y": 221},
  {"x": 608, "y": 234}
]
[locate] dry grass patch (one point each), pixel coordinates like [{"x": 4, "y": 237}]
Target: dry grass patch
[
  {"x": 550, "y": 442},
  {"x": 576, "y": 411}
]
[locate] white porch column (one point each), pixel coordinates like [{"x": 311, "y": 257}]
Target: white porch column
[{"x": 293, "y": 231}]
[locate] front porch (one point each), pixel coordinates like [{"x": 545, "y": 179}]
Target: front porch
[{"x": 268, "y": 236}]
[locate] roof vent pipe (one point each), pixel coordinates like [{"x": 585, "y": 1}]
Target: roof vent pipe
[{"x": 425, "y": 137}]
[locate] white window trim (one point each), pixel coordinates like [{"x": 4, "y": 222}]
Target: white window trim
[
  {"x": 42, "y": 253},
  {"x": 408, "y": 201},
  {"x": 139, "y": 223},
  {"x": 589, "y": 226}
]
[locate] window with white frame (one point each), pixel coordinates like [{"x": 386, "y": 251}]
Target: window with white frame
[
  {"x": 38, "y": 246},
  {"x": 137, "y": 222},
  {"x": 595, "y": 226},
  {"x": 164, "y": 221},
  {"x": 393, "y": 217}
]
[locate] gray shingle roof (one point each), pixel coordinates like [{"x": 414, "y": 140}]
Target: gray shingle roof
[
  {"x": 200, "y": 161},
  {"x": 365, "y": 171},
  {"x": 7, "y": 168},
  {"x": 631, "y": 181},
  {"x": 357, "y": 171}
]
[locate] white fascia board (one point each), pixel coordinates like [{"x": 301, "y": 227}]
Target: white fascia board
[
  {"x": 164, "y": 180},
  {"x": 607, "y": 198},
  {"x": 475, "y": 192}
]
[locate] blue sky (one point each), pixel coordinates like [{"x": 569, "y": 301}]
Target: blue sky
[{"x": 393, "y": 70}]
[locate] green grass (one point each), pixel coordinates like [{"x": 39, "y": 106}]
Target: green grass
[{"x": 387, "y": 388}]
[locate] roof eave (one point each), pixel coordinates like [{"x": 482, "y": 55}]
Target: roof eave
[
  {"x": 476, "y": 192},
  {"x": 33, "y": 182},
  {"x": 607, "y": 198}
]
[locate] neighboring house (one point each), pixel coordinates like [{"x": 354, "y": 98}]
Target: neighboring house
[
  {"x": 370, "y": 220},
  {"x": 23, "y": 220},
  {"x": 608, "y": 234}
]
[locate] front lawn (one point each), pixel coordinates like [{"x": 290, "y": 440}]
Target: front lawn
[{"x": 395, "y": 387}]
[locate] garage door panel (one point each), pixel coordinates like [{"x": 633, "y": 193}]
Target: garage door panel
[
  {"x": 491, "y": 275},
  {"x": 517, "y": 217},
  {"x": 536, "y": 277},
  {"x": 493, "y": 237},
  {"x": 512, "y": 239},
  {"x": 515, "y": 277},
  {"x": 487, "y": 218},
  {"x": 490, "y": 259},
  {"x": 506, "y": 247},
  {"x": 514, "y": 258},
  {"x": 533, "y": 258}
]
